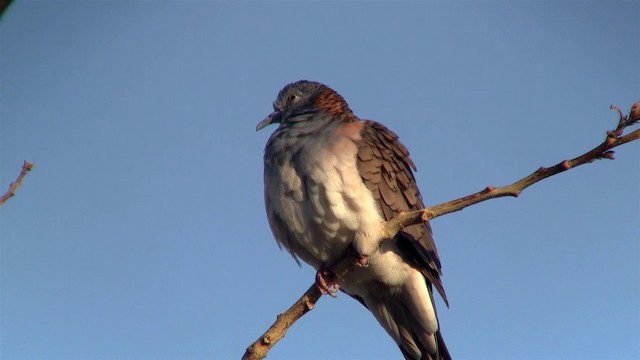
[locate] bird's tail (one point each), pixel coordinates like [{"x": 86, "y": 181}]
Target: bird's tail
[
  {"x": 443, "y": 352},
  {"x": 410, "y": 318}
]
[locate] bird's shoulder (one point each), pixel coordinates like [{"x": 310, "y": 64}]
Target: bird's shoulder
[{"x": 387, "y": 169}]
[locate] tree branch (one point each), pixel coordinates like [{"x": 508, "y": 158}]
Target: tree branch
[
  {"x": 13, "y": 187},
  {"x": 259, "y": 349}
]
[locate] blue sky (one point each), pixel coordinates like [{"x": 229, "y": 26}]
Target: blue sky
[{"x": 141, "y": 233}]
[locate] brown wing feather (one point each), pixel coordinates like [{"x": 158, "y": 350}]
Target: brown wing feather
[{"x": 387, "y": 170}]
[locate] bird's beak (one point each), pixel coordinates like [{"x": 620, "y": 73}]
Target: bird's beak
[{"x": 274, "y": 117}]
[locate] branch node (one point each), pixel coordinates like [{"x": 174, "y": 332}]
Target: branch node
[
  {"x": 634, "y": 114},
  {"x": 541, "y": 169},
  {"x": 309, "y": 305},
  {"x": 609, "y": 155},
  {"x": 426, "y": 215},
  {"x": 266, "y": 340},
  {"x": 566, "y": 165},
  {"x": 489, "y": 189}
]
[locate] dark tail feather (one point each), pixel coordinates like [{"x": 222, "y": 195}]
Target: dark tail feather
[
  {"x": 443, "y": 352},
  {"x": 414, "y": 341},
  {"x": 442, "y": 347},
  {"x": 395, "y": 314}
]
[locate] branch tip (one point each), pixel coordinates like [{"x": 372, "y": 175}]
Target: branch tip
[
  {"x": 634, "y": 114},
  {"x": 27, "y": 166},
  {"x": 13, "y": 187},
  {"x": 620, "y": 114}
]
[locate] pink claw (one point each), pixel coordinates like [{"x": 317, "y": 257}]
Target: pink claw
[
  {"x": 325, "y": 282},
  {"x": 361, "y": 260}
]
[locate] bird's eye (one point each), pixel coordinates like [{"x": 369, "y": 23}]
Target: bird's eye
[{"x": 292, "y": 97}]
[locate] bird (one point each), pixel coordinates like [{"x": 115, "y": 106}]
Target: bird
[{"x": 331, "y": 180}]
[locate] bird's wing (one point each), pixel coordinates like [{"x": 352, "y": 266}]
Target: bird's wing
[{"x": 387, "y": 170}]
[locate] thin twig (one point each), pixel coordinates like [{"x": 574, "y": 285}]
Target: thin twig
[
  {"x": 259, "y": 349},
  {"x": 26, "y": 167}
]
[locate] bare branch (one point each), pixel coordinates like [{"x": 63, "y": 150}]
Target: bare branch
[
  {"x": 26, "y": 167},
  {"x": 259, "y": 349}
]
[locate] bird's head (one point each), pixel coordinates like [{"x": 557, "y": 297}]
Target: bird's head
[{"x": 305, "y": 97}]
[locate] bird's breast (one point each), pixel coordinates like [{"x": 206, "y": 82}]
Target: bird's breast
[{"x": 316, "y": 191}]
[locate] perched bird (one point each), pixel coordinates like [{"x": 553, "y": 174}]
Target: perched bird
[{"x": 330, "y": 181}]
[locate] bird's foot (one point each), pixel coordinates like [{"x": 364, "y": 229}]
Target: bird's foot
[{"x": 325, "y": 280}]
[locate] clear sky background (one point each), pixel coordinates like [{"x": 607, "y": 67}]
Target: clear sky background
[{"x": 141, "y": 233}]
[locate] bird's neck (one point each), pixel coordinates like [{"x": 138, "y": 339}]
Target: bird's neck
[{"x": 288, "y": 139}]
